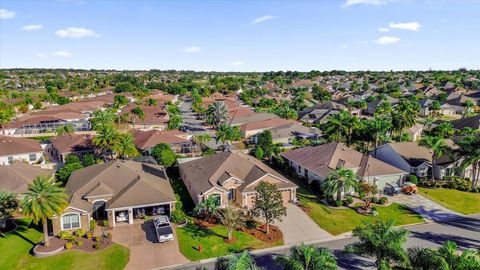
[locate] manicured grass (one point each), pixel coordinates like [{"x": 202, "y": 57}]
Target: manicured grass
[
  {"x": 16, "y": 246},
  {"x": 456, "y": 200},
  {"x": 212, "y": 242},
  {"x": 337, "y": 221}
]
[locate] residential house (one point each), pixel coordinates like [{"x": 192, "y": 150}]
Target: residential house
[
  {"x": 154, "y": 117},
  {"x": 78, "y": 144},
  {"x": 316, "y": 162},
  {"x": 16, "y": 177},
  {"x": 471, "y": 122},
  {"x": 414, "y": 132},
  {"x": 287, "y": 133},
  {"x": 28, "y": 150},
  {"x": 120, "y": 191},
  {"x": 179, "y": 141},
  {"x": 320, "y": 113},
  {"x": 231, "y": 178},
  {"x": 250, "y": 129}
]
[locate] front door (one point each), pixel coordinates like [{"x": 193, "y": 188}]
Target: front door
[{"x": 99, "y": 210}]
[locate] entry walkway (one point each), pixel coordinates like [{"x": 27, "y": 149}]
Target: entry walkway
[
  {"x": 426, "y": 208},
  {"x": 298, "y": 227}
]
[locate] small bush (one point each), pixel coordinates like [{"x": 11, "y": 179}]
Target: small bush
[
  {"x": 79, "y": 243},
  {"x": 93, "y": 224},
  {"x": 79, "y": 233},
  {"x": 109, "y": 235},
  {"x": 383, "y": 200},
  {"x": 68, "y": 245},
  {"x": 375, "y": 200},
  {"x": 88, "y": 235},
  {"x": 349, "y": 199},
  {"x": 251, "y": 224},
  {"x": 106, "y": 223},
  {"x": 412, "y": 179},
  {"x": 178, "y": 216},
  {"x": 96, "y": 245},
  {"x": 338, "y": 203},
  {"x": 63, "y": 235},
  {"x": 71, "y": 238}
]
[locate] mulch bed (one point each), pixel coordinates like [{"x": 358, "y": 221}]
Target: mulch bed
[
  {"x": 259, "y": 233},
  {"x": 205, "y": 223},
  {"x": 55, "y": 243}
]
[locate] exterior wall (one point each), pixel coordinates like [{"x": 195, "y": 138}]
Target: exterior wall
[
  {"x": 381, "y": 181},
  {"x": 249, "y": 133},
  {"x": 224, "y": 196},
  {"x": 84, "y": 221},
  {"x": 248, "y": 199},
  {"x": 23, "y": 157}
]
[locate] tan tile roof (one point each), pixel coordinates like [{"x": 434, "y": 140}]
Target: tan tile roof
[
  {"x": 13, "y": 146},
  {"x": 148, "y": 139},
  {"x": 72, "y": 143},
  {"x": 264, "y": 124},
  {"x": 17, "y": 176}
]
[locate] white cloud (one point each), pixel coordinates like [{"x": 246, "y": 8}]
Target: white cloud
[
  {"x": 263, "y": 19},
  {"x": 63, "y": 54},
  {"x": 6, "y": 14},
  {"x": 384, "y": 29},
  {"x": 76, "y": 32},
  {"x": 411, "y": 26},
  {"x": 41, "y": 55},
  {"x": 32, "y": 27},
  {"x": 237, "y": 63},
  {"x": 365, "y": 2},
  {"x": 385, "y": 40},
  {"x": 343, "y": 46},
  {"x": 193, "y": 49}
]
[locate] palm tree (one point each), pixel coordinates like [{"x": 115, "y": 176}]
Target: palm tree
[
  {"x": 207, "y": 206},
  {"x": 226, "y": 134},
  {"x": 437, "y": 146},
  {"x": 444, "y": 130},
  {"x": 217, "y": 114},
  {"x": 137, "y": 112},
  {"x": 125, "y": 147},
  {"x": 106, "y": 138},
  {"x": 381, "y": 241},
  {"x": 174, "y": 121},
  {"x": 470, "y": 151},
  {"x": 102, "y": 118},
  {"x": 202, "y": 138},
  {"x": 378, "y": 126},
  {"x": 339, "y": 127},
  {"x": 307, "y": 258},
  {"x": 231, "y": 218},
  {"x": 339, "y": 181},
  {"x": 43, "y": 200},
  {"x": 446, "y": 257},
  {"x": 242, "y": 261},
  {"x": 404, "y": 115}
]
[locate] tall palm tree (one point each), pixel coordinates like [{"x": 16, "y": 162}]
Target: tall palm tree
[
  {"x": 339, "y": 181},
  {"x": 404, "y": 115},
  {"x": 202, "y": 138},
  {"x": 243, "y": 261},
  {"x": 382, "y": 241},
  {"x": 226, "y": 134},
  {"x": 378, "y": 126},
  {"x": 437, "y": 146},
  {"x": 43, "y": 200},
  {"x": 307, "y": 258},
  {"x": 106, "y": 138},
  {"x": 339, "y": 127},
  {"x": 231, "y": 218},
  {"x": 174, "y": 121},
  {"x": 470, "y": 151},
  {"x": 125, "y": 147},
  {"x": 444, "y": 130},
  {"x": 137, "y": 112},
  {"x": 447, "y": 257},
  {"x": 217, "y": 114},
  {"x": 102, "y": 118}
]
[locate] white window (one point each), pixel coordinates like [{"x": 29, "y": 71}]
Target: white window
[
  {"x": 32, "y": 157},
  {"x": 70, "y": 221},
  {"x": 10, "y": 160}
]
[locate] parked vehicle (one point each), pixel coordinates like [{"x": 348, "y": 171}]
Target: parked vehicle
[
  {"x": 163, "y": 229},
  {"x": 392, "y": 190},
  {"x": 409, "y": 188}
]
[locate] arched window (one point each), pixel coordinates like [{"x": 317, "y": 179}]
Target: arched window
[{"x": 70, "y": 221}]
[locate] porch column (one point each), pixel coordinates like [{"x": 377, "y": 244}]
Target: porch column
[
  {"x": 130, "y": 216},
  {"x": 113, "y": 218}
]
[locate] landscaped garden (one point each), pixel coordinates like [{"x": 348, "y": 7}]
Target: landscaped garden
[
  {"x": 460, "y": 201},
  {"x": 16, "y": 249}
]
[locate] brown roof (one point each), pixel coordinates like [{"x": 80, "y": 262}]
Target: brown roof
[
  {"x": 208, "y": 172},
  {"x": 269, "y": 123},
  {"x": 72, "y": 143},
  {"x": 153, "y": 114},
  {"x": 129, "y": 183},
  {"x": 148, "y": 139},
  {"x": 324, "y": 158},
  {"x": 13, "y": 146},
  {"x": 412, "y": 151},
  {"x": 17, "y": 176}
]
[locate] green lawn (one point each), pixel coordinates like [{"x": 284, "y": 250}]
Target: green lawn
[
  {"x": 337, "y": 221},
  {"x": 212, "y": 242},
  {"x": 16, "y": 246},
  {"x": 456, "y": 200}
]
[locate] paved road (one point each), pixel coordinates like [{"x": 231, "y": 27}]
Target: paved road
[
  {"x": 428, "y": 209},
  {"x": 464, "y": 231},
  {"x": 297, "y": 226},
  {"x": 189, "y": 119}
]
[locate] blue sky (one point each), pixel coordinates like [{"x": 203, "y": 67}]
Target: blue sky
[{"x": 241, "y": 35}]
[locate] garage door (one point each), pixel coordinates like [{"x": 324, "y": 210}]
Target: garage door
[{"x": 286, "y": 196}]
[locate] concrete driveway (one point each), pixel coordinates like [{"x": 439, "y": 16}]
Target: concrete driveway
[
  {"x": 145, "y": 251},
  {"x": 426, "y": 208},
  {"x": 298, "y": 227}
]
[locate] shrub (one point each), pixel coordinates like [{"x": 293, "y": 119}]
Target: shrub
[
  {"x": 459, "y": 183},
  {"x": 71, "y": 238},
  {"x": 349, "y": 199},
  {"x": 79, "y": 233},
  {"x": 106, "y": 223},
  {"x": 79, "y": 243},
  {"x": 383, "y": 200},
  {"x": 251, "y": 224},
  {"x": 68, "y": 245},
  {"x": 88, "y": 235},
  {"x": 412, "y": 179},
  {"x": 178, "y": 216},
  {"x": 63, "y": 235},
  {"x": 96, "y": 245},
  {"x": 109, "y": 235},
  {"x": 375, "y": 200},
  {"x": 93, "y": 224},
  {"x": 338, "y": 203}
]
